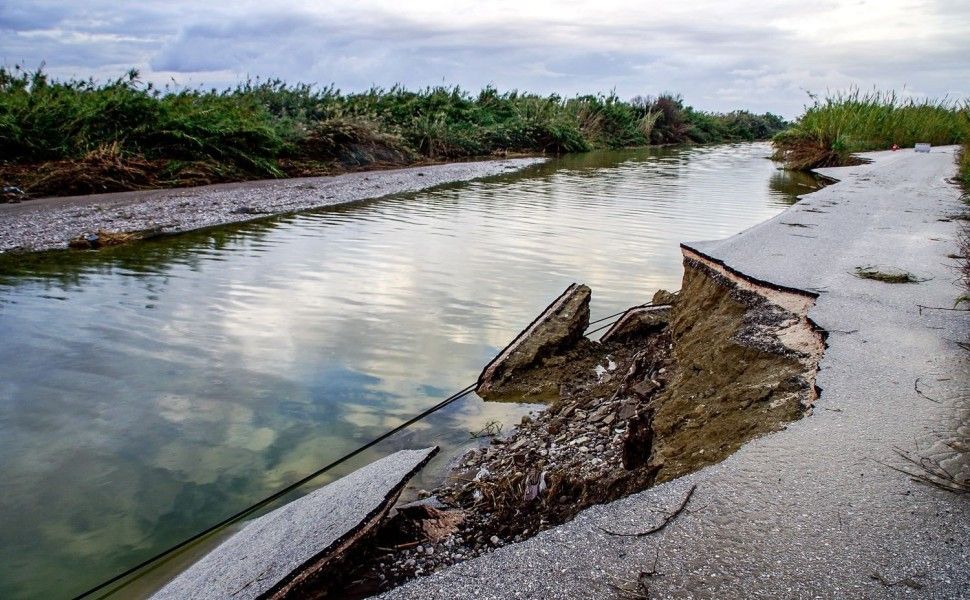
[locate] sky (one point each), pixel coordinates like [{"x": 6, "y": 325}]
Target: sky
[{"x": 723, "y": 55}]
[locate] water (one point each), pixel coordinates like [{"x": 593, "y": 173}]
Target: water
[{"x": 150, "y": 391}]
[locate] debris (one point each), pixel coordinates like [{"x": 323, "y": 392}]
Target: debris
[
  {"x": 12, "y": 195},
  {"x": 101, "y": 239},
  {"x": 491, "y": 429},
  {"x": 664, "y": 522},
  {"x": 893, "y": 276}
]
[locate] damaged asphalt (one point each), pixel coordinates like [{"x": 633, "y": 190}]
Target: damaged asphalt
[{"x": 819, "y": 509}]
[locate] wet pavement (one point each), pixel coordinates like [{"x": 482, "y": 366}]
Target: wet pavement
[{"x": 818, "y": 510}]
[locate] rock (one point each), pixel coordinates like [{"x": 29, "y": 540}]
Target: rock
[
  {"x": 627, "y": 410},
  {"x": 301, "y": 542},
  {"x": 638, "y": 322},
  {"x": 663, "y": 297},
  {"x": 557, "y": 329},
  {"x": 644, "y": 389},
  {"x": 600, "y": 413}
]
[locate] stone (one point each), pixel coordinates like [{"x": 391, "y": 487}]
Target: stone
[
  {"x": 557, "y": 329},
  {"x": 627, "y": 410},
  {"x": 298, "y": 545},
  {"x": 637, "y": 322}
]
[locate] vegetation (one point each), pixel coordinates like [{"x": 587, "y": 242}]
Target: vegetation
[
  {"x": 885, "y": 276},
  {"x": 833, "y": 128},
  {"x": 965, "y": 164},
  {"x": 80, "y": 136}
]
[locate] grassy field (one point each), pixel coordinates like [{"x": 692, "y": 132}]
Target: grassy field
[
  {"x": 76, "y": 136},
  {"x": 834, "y": 127}
]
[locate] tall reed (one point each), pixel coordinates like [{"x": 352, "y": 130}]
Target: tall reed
[
  {"x": 78, "y": 136},
  {"x": 834, "y": 127}
]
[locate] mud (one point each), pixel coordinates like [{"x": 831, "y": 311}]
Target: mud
[{"x": 737, "y": 360}]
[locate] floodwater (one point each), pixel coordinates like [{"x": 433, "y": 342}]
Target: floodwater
[{"x": 150, "y": 391}]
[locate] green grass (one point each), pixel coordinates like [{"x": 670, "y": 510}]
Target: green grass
[
  {"x": 80, "y": 136},
  {"x": 833, "y": 128}
]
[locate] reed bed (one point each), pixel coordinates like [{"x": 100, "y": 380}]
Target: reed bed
[
  {"x": 80, "y": 136},
  {"x": 835, "y": 127}
]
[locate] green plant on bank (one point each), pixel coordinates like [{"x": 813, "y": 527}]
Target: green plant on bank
[
  {"x": 833, "y": 128},
  {"x": 80, "y": 136}
]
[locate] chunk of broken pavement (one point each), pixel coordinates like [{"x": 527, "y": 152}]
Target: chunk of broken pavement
[
  {"x": 637, "y": 322},
  {"x": 557, "y": 329},
  {"x": 301, "y": 542}
]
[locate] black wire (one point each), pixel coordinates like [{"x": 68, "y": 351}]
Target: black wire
[
  {"x": 598, "y": 329},
  {"x": 296, "y": 484},
  {"x": 619, "y": 313},
  {"x": 277, "y": 495}
]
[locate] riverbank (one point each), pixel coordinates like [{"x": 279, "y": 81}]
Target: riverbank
[
  {"x": 100, "y": 219},
  {"x": 837, "y": 503}
]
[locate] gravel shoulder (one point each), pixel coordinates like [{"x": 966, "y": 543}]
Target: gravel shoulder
[
  {"x": 819, "y": 509},
  {"x": 50, "y": 223}
]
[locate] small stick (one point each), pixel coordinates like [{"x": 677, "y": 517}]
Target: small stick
[
  {"x": 921, "y": 307},
  {"x": 666, "y": 520},
  {"x": 920, "y": 393}
]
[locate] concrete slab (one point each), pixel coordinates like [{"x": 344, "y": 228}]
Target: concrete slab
[
  {"x": 814, "y": 511},
  {"x": 274, "y": 554}
]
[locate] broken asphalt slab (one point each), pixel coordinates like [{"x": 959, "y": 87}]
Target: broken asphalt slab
[{"x": 277, "y": 553}]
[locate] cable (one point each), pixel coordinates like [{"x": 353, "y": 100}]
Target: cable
[
  {"x": 296, "y": 484},
  {"x": 620, "y": 313},
  {"x": 279, "y": 494}
]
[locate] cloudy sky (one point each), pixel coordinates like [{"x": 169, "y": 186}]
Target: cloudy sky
[{"x": 720, "y": 55}]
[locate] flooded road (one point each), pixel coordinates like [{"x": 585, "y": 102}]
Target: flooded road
[{"x": 152, "y": 390}]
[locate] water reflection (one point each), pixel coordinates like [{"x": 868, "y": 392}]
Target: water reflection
[{"x": 150, "y": 391}]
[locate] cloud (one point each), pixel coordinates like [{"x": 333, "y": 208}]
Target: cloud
[{"x": 719, "y": 55}]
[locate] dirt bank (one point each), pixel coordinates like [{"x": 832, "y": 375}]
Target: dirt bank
[
  {"x": 668, "y": 390},
  {"x": 52, "y": 223}
]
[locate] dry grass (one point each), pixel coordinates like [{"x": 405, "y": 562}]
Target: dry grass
[
  {"x": 105, "y": 169},
  {"x": 885, "y": 276}
]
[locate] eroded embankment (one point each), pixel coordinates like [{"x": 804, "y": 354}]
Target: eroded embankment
[{"x": 668, "y": 390}]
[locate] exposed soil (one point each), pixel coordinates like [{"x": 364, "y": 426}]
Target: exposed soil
[{"x": 737, "y": 360}]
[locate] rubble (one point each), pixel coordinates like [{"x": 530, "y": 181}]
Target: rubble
[{"x": 667, "y": 390}]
